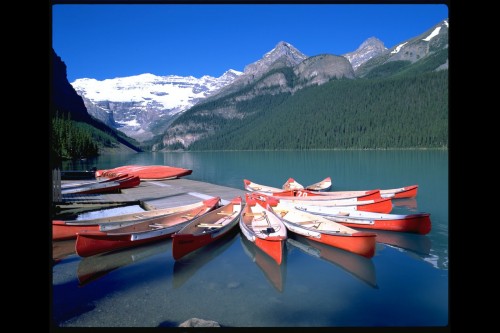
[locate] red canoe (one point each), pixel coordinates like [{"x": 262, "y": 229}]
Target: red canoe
[
  {"x": 107, "y": 186},
  {"x": 146, "y": 172},
  {"x": 89, "y": 243},
  {"x": 206, "y": 229},
  {"x": 320, "y": 229},
  {"x": 383, "y": 205},
  {"x": 305, "y": 194},
  {"x": 62, "y": 230},
  {"x": 394, "y": 193},
  {"x": 264, "y": 229},
  {"x": 419, "y": 223}
]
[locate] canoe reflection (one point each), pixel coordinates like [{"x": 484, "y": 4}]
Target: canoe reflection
[
  {"x": 419, "y": 244},
  {"x": 62, "y": 249},
  {"x": 409, "y": 203},
  {"x": 276, "y": 274},
  {"x": 187, "y": 266},
  {"x": 358, "y": 266},
  {"x": 94, "y": 267}
]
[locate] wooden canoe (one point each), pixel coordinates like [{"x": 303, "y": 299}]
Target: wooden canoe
[
  {"x": 419, "y": 223},
  {"x": 306, "y": 194},
  {"x": 62, "y": 230},
  {"x": 383, "y": 205},
  {"x": 292, "y": 184},
  {"x": 264, "y": 229},
  {"x": 90, "y": 243},
  {"x": 321, "y": 186},
  {"x": 393, "y": 193},
  {"x": 206, "y": 229},
  {"x": 103, "y": 186},
  {"x": 320, "y": 229},
  {"x": 251, "y": 186},
  {"x": 146, "y": 172}
]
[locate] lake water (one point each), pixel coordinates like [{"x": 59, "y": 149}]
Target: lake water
[{"x": 405, "y": 284}]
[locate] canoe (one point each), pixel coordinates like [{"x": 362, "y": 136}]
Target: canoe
[
  {"x": 264, "y": 229},
  {"x": 365, "y": 195},
  {"x": 393, "y": 193},
  {"x": 321, "y": 186},
  {"x": 357, "y": 266},
  {"x": 115, "y": 184},
  {"x": 146, "y": 172},
  {"x": 383, "y": 205},
  {"x": 90, "y": 243},
  {"x": 320, "y": 229},
  {"x": 419, "y": 223},
  {"x": 292, "y": 184},
  {"x": 251, "y": 186},
  {"x": 206, "y": 229},
  {"x": 62, "y": 230}
]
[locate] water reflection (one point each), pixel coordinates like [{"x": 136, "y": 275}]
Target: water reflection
[
  {"x": 275, "y": 274},
  {"x": 94, "y": 267},
  {"x": 408, "y": 203},
  {"x": 419, "y": 244},
  {"x": 62, "y": 249},
  {"x": 356, "y": 265},
  {"x": 187, "y": 266}
]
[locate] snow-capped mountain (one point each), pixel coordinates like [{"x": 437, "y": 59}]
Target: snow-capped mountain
[
  {"x": 133, "y": 103},
  {"x": 414, "y": 49},
  {"x": 431, "y": 43}
]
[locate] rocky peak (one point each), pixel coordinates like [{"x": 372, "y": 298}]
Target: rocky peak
[
  {"x": 283, "y": 51},
  {"x": 370, "y": 48}
]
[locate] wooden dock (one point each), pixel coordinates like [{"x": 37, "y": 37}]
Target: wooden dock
[{"x": 160, "y": 194}]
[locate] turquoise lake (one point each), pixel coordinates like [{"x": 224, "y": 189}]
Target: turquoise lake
[{"x": 405, "y": 284}]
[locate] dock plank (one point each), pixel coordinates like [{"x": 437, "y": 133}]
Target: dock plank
[{"x": 163, "y": 194}]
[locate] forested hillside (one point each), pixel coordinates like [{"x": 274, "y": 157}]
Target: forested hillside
[{"x": 400, "y": 111}]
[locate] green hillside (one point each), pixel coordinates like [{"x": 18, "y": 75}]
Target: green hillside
[{"x": 400, "y": 111}]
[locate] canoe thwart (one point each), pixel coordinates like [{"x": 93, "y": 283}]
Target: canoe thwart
[{"x": 209, "y": 225}]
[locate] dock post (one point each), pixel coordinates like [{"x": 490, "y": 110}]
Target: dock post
[{"x": 56, "y": 185}]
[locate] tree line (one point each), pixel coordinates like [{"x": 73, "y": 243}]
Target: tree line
[
  {"x": 401, "y": 111},
  {"x": 71, "y": 139}
]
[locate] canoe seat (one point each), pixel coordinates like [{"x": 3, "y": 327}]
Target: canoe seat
[{"x": 209, "y": 225}]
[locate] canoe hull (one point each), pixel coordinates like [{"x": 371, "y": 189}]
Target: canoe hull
[
  {"x": 206, "y": 229},
  {"x": 272, "y": 246},
  {"x": 92, "y": 243},
  {"x": 63, "y": 231},
  {"x": 362, "y": 243},
  {"x": 418, "y": 224}
]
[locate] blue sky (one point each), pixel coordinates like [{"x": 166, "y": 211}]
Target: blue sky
[{"x": 104, "y": 41}]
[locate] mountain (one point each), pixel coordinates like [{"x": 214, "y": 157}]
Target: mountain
[
  {"x": 283, "y": 70},
  {"x": 370, "y": 48},
  {"x": 268, "y": 73},
  {"x": 431, "y": 45},
  {"x": 138, "y": 105},
  {"x": 65, "y": 103},
  {"x": 64, "y": 99},
  {"x": 257, "y": 98}
]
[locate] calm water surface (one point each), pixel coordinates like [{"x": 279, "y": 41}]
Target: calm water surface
[{"x": 405, "y": 284}]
